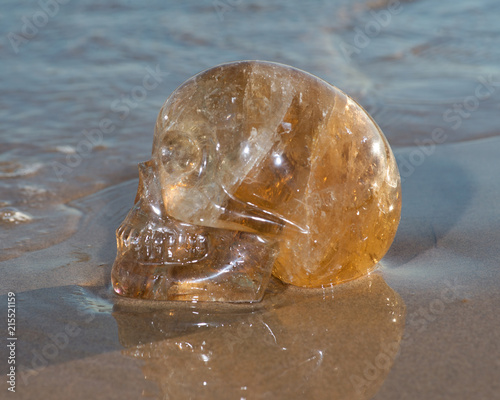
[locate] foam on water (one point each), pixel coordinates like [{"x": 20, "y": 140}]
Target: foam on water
[
  {"x": 18, "y": 170},
  {"x": 13, "y": 216}
]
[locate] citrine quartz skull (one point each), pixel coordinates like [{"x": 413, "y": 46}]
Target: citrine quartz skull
[{"x": 257, "y": 169}]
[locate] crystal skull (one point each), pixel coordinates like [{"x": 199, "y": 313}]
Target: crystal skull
[{"x": 257, "y": 168}]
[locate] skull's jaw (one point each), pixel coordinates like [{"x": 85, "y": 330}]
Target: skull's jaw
[
  {"x": 161, "y": 258},
  {"x": 236, "y": 267}
]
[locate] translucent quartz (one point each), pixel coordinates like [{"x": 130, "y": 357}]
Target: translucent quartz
[
  {"x": 258, "y": 166},
  {"x": 165, "y": 259}
]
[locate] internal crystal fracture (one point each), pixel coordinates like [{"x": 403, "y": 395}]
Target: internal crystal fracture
[{"x": 257, "y": 169}]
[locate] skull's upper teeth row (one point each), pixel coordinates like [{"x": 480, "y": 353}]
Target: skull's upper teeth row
[{"x": 161, "y": 247}]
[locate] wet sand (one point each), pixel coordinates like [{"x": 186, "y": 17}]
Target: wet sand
[{"x": 423, "y": 325}]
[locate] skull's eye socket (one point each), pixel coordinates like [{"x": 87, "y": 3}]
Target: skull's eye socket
[{"x": 180, "y": 153}]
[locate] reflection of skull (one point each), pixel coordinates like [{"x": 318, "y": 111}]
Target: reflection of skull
[
  {"x": 256, "y": 166},
  {"x": 285, "y": 341}
]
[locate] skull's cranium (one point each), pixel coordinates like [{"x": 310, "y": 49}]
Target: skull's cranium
[{"x": 257, "y": 167}]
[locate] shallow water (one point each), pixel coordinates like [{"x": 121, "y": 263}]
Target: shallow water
[
  {"x": 89, "y": 64},
  {"x": 79, "y": 98}
]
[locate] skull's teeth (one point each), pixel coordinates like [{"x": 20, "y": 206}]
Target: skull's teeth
[{"x": 158, "y": 247}]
